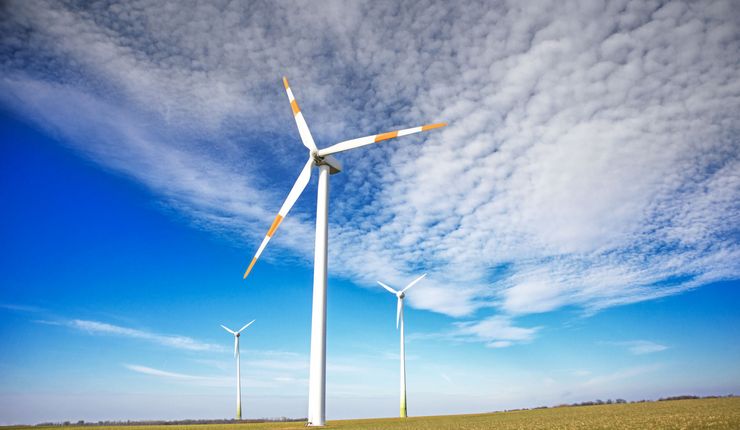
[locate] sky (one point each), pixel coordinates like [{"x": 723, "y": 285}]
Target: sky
[{"x": 579, "y": 217}]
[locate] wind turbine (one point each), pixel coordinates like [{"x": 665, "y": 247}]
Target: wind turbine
[
  {"x": 399, "y": 325},
  {"x": 238, "y": 367},
  {"x": 327, "y": 164}
]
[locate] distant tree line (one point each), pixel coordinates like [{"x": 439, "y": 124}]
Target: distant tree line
[{"x": 621, "y": 401}]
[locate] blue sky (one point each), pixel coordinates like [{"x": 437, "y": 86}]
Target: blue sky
[{"x": 578, "y": 218}]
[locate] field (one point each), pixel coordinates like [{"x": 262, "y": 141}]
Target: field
[{"x": 679, "y": 414}]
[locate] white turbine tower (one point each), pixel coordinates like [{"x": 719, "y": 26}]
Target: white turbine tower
[
  {"x": 238, "y": 367},
  {"x": 399, "y": 325},
  {"x": 327, "y": 165}
]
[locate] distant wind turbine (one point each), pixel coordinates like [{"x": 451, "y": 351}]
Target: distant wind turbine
[
  {"x": 238, "y": 367},
  {"x": 327, "y": 165},
  {"x": 399, "y": 325}
]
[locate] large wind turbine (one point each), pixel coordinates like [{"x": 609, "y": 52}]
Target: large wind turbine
[
  {"x": 238, "y": 367},
  {"x": 327, "y": 165},
  {"x": 399, "y": 325}
]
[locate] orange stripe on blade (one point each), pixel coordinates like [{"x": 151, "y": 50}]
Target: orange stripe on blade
[
  {"x": 285, "y": 82},
  {"x": 249, "y": 269},
  {"x": 433, "y": 126},
  {"x": 294, "y": 105},
  {"x": 275, "y": 224},
  {"x": 386, "y": 136}
]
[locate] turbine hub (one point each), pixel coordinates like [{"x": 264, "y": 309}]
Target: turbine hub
[
  {"x": 238, "y": 334},
  {"x": 401, "y": 295}
]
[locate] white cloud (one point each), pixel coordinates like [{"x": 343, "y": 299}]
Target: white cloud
[
  {"x": 619, "y": 375},
  {"x": 161, "y": 373},
  {"x": 183, "y": 378},
  {"x": 495, "y": 332},
  {"x": 21, "y": 308},
  {"x": 254, "y": 375},
  {"x": 173, "y": 341},
  {"x": 591, "y": 158},
  {"x": 640, "y": 347}
]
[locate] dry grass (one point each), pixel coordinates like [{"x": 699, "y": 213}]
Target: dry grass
[{"x": 679, "y": 414}]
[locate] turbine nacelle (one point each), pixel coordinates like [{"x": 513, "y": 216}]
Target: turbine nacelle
[
  {"x": 237, "y": 333},
  {"x": 400, "y": 294},
  {"x": 335, "y": 166}
]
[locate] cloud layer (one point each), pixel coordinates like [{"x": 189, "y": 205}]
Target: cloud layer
[{"x": 592, "y": 157}]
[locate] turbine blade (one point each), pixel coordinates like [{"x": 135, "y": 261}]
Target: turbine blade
[
  {"x": 303, "y": 130},
  {"x": 247, "y": 325},
  {"x": 236, "y": 346},
  {"x": 227, "y": 329},
  {"x": 295, "y": 192},
  {"x": 413, "y": 282},
  {"x": 367, "y": 140},
  {"x": 399, "y": 311},
  {"x": 390, "y": 290}
]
